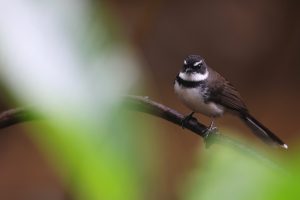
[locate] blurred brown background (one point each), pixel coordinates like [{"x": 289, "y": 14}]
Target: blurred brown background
[{"x": 254, "y": 44}]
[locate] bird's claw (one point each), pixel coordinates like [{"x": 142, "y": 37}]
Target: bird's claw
[
  {"x": 186, "y": 119},
  {"x": 209, "y": 134}
]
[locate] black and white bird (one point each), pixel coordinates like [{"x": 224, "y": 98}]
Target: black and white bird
[{"x": 205, "y": 91}]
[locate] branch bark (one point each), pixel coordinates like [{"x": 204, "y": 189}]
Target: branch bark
[
  {"x": 145, "y": 105},
  {"x": 16, "y": 116}
]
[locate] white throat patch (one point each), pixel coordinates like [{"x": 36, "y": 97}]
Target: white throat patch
[{"x": 193, "y": 76}]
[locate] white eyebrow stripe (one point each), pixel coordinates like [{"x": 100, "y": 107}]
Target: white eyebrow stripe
[
  {"x": 198, "y": 63},
  {"x": 184, "y": 62}
]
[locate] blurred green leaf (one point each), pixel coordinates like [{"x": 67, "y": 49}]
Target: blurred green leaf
[
  {"x": 75, "y": 73},
  {"x": 227, "y": 174}
]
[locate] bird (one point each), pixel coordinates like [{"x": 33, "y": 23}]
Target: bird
[{"x": 205, "y": 91}]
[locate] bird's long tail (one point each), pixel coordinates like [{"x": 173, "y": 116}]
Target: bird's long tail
[{"x": 262, "y": 132}]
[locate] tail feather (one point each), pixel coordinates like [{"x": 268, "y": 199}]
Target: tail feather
[{"x": 262, "y": 132}]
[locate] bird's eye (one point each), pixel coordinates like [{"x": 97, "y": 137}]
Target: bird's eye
[
  {"x": 200, "y": 67},
  {"x": 198, "y": 63}
]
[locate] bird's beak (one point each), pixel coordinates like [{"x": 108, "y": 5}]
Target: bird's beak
[{"x": 188, "y": 70}]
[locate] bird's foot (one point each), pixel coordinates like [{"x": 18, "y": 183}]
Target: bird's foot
[
  {"x": 186, "y": 119},
  {"x": 209, "y": 134}
]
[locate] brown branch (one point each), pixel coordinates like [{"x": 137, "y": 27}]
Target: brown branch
[
  {"x": 144, "y": 104},
  {"x": 16, "y": 116}
]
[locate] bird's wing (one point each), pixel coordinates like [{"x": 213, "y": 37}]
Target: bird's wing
[{"x": 225, "y": 94}]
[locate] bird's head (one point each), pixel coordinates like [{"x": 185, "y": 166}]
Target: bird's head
[
  {"x": 194, "y": 68},
  {"x": 194, "y": 64}
]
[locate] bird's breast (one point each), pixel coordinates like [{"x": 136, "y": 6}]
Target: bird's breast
[{"x": 194, "y": 99}]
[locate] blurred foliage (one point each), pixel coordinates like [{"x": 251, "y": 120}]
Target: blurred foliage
[
  {"x": 70, "y": 63},
  {"x": 110, "y": 162},
  {"x": 227, "y": 174}
]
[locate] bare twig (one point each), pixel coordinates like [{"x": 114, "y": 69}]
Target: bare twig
[
  {"x": 144, "y": 104},
  {"x": 16, "y": 116}
]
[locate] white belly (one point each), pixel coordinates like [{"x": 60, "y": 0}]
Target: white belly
[{"x": 193, "y": 99}]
